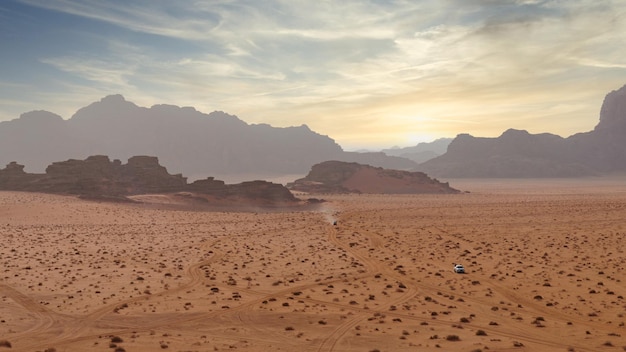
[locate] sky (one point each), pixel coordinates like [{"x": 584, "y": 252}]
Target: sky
[{"x": 369, "y": 74}]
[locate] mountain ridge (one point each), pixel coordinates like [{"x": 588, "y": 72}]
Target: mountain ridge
[
  {"x": 519, "y": 154},
  {"x": 196, "y": 143}
]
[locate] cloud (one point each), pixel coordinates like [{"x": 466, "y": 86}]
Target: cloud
[
  {"x": 164, "y": 18},
  {"x": 352, "y": 65}
]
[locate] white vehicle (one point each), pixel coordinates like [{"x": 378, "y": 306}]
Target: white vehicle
[{"x": 459, "y": 269}]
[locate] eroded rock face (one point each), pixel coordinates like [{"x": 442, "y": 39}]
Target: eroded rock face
[
  {"x": 343, "y": 177},
  {"x": 14, "y": 177},
  {"x": 517, "y": 154},
  {"x": 99, "y": 177},
  {"x": 613, "y": 111}
]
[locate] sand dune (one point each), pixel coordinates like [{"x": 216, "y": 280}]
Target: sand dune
[{"x": 544, "y": 261}]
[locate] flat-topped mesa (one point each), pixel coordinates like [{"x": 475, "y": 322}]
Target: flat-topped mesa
[
  {"x": 94, "y": 175},
  {"x": 343, "y": 177}
]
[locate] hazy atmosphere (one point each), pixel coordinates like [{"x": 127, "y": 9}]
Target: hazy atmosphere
[{"x": 369, "y": 74}]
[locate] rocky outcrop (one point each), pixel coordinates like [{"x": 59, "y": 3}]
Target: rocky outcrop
[
  {"x": 520, "y": 154},
  {"x": 99, "y": 177},
  {"x": 343, "y": 177}
]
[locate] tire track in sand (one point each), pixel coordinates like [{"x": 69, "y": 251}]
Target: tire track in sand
[
  {"x": 44, "y": 317},
  {"x": 371, "y": 265},
  {"x": 75, "y": 326}
]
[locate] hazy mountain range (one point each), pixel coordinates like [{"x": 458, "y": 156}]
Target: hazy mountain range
[
  {"x": 422, "y": 151},
  {"x": 185, "y": 140},
  {"x": 520, "y": 154},
  {"x": 199, "y": 145}
]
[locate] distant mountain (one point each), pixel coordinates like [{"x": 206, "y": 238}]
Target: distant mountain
[
  {"x": 342, "y": 177},
  {"x": 421, "y": 152},
  {"x": 520, "y": 154},
  {"x": 184, "y": 139}
]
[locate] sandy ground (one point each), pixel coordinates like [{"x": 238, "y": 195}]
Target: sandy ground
[{"x": 545, "y": 266}]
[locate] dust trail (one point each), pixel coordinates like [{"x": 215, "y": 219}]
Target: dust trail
[{"x": 330, "y": 213}]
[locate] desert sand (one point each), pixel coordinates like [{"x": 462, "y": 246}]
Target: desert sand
[{"x": 544, "y": 262}]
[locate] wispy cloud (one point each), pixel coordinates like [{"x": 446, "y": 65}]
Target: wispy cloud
[{"x": 349, "y": 66}]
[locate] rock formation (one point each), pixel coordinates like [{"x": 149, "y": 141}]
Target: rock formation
[
  {"x": 520, "y": 154},
  {"x": 613, "y": 111},
  {"x": 344, "y": 177},
  {"x": 99, "y": 177}
]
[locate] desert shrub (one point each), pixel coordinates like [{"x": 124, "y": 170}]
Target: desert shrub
[
  {"x": 453, "y": 338},
  {"x": 5, "y": 343},
  {"x": 116, "y": 339}
]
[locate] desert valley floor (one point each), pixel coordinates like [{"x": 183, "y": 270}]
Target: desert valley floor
[{"x": 544, "y": 260}]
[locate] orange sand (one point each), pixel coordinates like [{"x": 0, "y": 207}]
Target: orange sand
[{"x": 544, "y": 260}]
